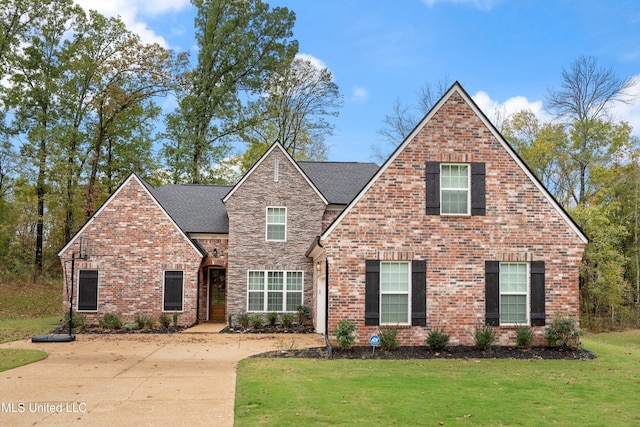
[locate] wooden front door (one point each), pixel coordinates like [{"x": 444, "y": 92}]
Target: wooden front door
[{"x": 217, "y": 295}]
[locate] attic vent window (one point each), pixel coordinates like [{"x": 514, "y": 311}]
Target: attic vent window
[{"x": 276, "y": 170}]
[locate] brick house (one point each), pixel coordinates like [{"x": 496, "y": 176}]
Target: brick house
[{"x": 452, "y": 231}]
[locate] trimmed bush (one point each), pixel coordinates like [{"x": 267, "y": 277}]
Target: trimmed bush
[
  {"x": 563, "y": 331},
  {"x": 287, "y": 320},
  {"x": 304, "y": 314},
  {"x": 164, "y": 320},
  {"x": 256, "y": 321},
  {"x": 110, "y": 321},
  {"x": 78, "y": 320},
  {"x": 272, "y": 318},
  {"x": 243, "y": 319},
  {"x": 389, "y": 338},
  {"x": 175, "y": 319},
  {"x": 345, "y": 337},
  {"x": 437, "y": 340},
  {"x": 484, "y": 337},
  {"x": 524, "y": 336},
  {"x": 145, "y": 322}
]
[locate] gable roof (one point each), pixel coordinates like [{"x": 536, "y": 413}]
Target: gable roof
[
  {"x": 275, "y": 146},
  {"x": 339, "y": 182},
  {"x": 196, "y": 208},
  {"x": 457, "y": 88},
  {"x": 151, "y": 192}
]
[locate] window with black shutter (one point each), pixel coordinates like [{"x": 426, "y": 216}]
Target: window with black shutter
[
  {"x": 506, "y": 297},
  {"x": 173, "y": 285},
  {"x": 454, "y": 189},
  {"x": 88, "y": 290}
]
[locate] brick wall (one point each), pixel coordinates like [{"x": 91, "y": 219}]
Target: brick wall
[
  {"x": 132, "y": 243},
  {"x": 248, "y": 248},
  {"x": 390, "y": 222}
]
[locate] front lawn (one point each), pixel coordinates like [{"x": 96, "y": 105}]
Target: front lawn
[{"x": 492, "y": 392}]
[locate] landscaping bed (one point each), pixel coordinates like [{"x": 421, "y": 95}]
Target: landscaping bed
[{"x": 424, "y": 352}]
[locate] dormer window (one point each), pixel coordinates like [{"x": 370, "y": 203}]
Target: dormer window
[{"x": 277, "y": 224}]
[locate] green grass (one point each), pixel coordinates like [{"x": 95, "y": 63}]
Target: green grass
[
  {"x": 310, "y": 392},
  {"x": 10, "y": 358},
  {"x": 18, "y": 329}
]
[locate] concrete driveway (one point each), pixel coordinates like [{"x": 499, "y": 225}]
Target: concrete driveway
[{"x": 100, "y": 380}]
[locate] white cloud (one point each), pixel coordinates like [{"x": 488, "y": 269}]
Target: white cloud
[
  {"x": 478, "y": 4},
  {"x": 497, "y": 111},
  {"x": 314, "y": 61},
  {"x": 132, "y": 11},
  {"x": 359, "y": 94}
]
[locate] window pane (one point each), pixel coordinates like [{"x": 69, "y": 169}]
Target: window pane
[
  {"x": 275, "y": 281},
  {"x": 513, "y": 309},
  {"x": 455, "y": 202},
  {"x": 294, "y": 299},
  {"x": 454, "y": 194},
  {"x": 394, "y": 277},
  {"x": 275, "y": 232},
  {"x": 256, "y": 280},
  {"x": 294, "y": 281},
  {"x": 274, "y": 301},
  {"x": 513, "y": 278},
  {"x": 276, "y": 223},
  {"x": 256, "y": 301},
  {"x": 395, "y": 309}
]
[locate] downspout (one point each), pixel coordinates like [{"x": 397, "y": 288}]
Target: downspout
[{"x": 326, "y": 310}]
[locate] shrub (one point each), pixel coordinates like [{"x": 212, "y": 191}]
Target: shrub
[
  {"x": 175, "y": 320},
  {"x": 304, "y": 314},
  {"x": 164, "y": 320},
  {"x": 389, "y": 338},
  {"x": 243, "y": 319},
  {"x": 345, "y": 337},
  {"x": 524, "y": 336},
  {"x": 256, "y": 321},
  {"x": 562, "y": 331},
  {"x": 110, "y": 321},
  {"x": 287, "y": 320},
  {"x": 230, "y": 321},
  {"x": 272, "y": 318},
  {"x": 144, "y": 321},
  {"x": 484, "y": 337},
  {"x": 78, "y": 320},
  {"x": 437, "y": 339}
]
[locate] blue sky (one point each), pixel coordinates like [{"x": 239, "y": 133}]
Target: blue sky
[{"x": 505, "y": 53}]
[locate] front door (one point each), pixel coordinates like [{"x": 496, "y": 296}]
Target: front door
[{"x": 217, "y": 295}]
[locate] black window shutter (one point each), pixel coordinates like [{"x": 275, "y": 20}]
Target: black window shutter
[
  {"x": 492, "y": 292},
  {"x": 173, "y": 281},
  {"x": 419, "y": 293},
  {"x": 537, "y": 293},
  {"x": 478, "y": 189},
  {"x": 433, "y": 188},
  {"x": 88, "y": 290},
  {"x": 372, "y": 293}
]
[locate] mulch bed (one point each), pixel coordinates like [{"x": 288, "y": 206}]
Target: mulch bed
[{"x": 424, "y": 352}]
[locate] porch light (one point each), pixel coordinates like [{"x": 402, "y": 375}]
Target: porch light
[
  {"x": 215, "y": 252},
  {"x": 318, "y": 265}
]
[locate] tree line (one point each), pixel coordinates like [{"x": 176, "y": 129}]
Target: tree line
[{"x": 80, "y": 111}]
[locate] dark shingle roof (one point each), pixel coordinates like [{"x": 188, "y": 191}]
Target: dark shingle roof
[
  {"x": 195, "y": 208},
  {"x": 339, "y": 182},
  {"x": 199, "y": 208}
]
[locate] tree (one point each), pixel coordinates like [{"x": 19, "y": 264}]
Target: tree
[
  {"x": 230, "y": 63},
  {"x": 403, "y": 118},
  {"x": 586, "y": 94},
  {"x": 34, "y": 95},
  {"x": 297, "y": 100}
]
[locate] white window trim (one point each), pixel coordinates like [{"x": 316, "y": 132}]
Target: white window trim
[
  {"x": 468, "y": 165},
  {"x": 528, "y": 296},
  {"x": 77, "y": 294},
  {"x": 164, "y": 273},
  {"x": 408, "y": 293},
  {"x": 265, "y": 290},
  {"x": 266, "y": 228}
]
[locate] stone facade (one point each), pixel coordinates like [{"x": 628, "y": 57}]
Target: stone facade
[
  {"x": 389, "y": 223},
  {"x": 274, "y": 182},
  {"x": 132, "y": 243}
]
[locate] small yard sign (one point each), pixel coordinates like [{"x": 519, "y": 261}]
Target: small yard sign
[{"x": 374, "y": 341}]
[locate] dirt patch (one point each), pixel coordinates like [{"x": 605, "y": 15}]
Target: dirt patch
[
  {"x": 423, "y": 352},
  {"x": 268, "y": 329}
]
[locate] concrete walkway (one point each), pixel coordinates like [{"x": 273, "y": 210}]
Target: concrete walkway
[{"x": 110, "y": 380}]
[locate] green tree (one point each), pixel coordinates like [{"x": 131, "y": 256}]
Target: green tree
[{"x": 232, "y": 65}]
